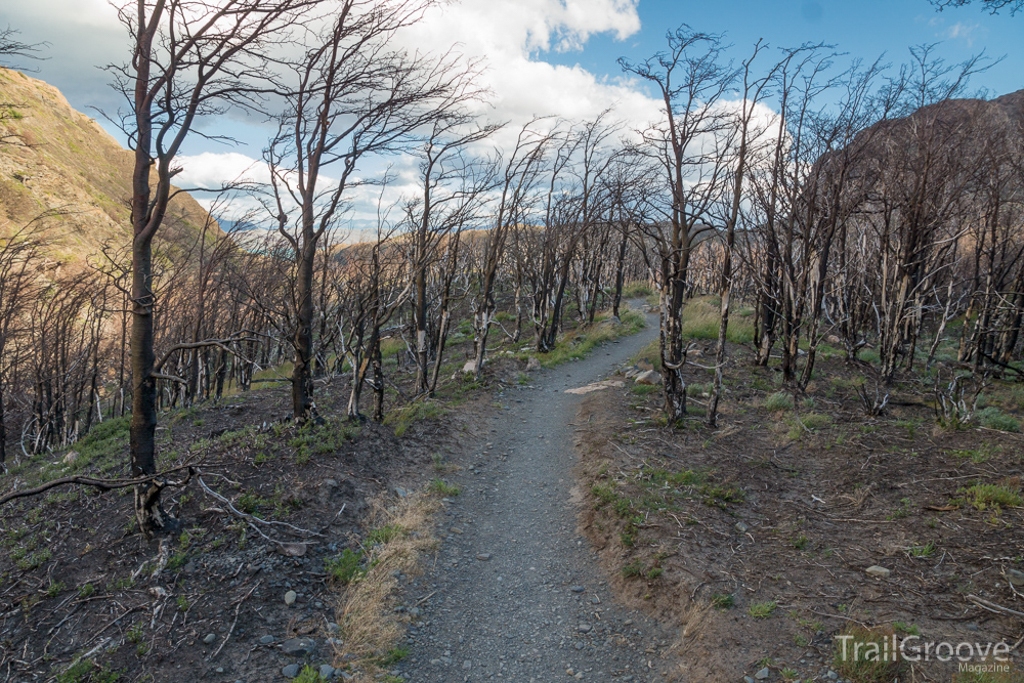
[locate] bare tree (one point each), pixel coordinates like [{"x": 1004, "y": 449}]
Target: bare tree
[
  {"x": 993, "y": 6},
  {"x": 689, "y": 79},
  {"x": 357, "y": 95},
  {"x": 191, "y": 58}
]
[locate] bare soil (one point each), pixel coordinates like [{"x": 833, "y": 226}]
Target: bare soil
[
  {"x": 753, "y": 539},
  {"x": 79, "y": 584}
]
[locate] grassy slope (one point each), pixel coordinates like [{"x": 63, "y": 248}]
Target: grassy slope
[{"x": 57, "y": 160}]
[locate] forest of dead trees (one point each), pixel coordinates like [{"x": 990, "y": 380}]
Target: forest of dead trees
[{"x": 861, "y": 205}]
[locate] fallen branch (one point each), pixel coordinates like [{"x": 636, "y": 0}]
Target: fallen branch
[
  {"x": 238, "y": 606},
  {"x": 101, "y": 484},
  {"x": 993, "y": 607},
  {"x": 252, "y": 520}
]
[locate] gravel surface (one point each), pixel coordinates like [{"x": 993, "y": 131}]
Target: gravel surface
[{"x": 516, "y": 593}]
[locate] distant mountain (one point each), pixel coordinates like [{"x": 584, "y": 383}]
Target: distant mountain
[{"x": 66, "y": 181}]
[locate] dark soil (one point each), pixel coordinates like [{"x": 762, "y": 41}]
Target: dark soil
[
  {"x": 754, "y": 539},
  {"x": 77, "y": 583}
]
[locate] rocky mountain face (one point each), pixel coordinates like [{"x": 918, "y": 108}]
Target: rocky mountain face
[{"x": 65, "y": 181}]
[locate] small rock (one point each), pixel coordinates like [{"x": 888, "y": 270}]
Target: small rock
[
  {"x": 332, "y": 627},
  {"x": 880, "y": 572},
  {"x": 71, "y": 457},
  {"x": 741, "y": 527},
  {"x": 584, "y": 628},
  {"x": 292, "y": 549},
  {"x": 577, "y": 589},
  {"x": 483, "y": 557},
  {"x": 327, "y": 671},
  {"x": 210, "y": 637},
  {"x": 1015, "y": 576},
  {"x": 290, "y": 671},
  {"x": 456, "y": 530},
  {"x": 469, "y": 368},
  {"x": 290, "y": 597},
  {"x": 762, "y": 674},
  {"x": 648, "y": 377},
  {"x": 533, "y": 364},
  {"x": 267, "y": 640},
  {"x": 832, "y": 675},
  {"x": 400, "y": 492},
  {"x": 219, "y": 669},
  {"x": 748, "y": 679},
  {"x": 296, "y": 647},
  {"x": 330, "y": 483},
  {"x": 467, "y": 665}
]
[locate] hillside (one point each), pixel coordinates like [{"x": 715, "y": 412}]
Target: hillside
[{"x": 58, "y": 162}]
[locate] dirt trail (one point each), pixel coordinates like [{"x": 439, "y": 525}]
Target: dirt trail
[{"x": 516, "y": 593}]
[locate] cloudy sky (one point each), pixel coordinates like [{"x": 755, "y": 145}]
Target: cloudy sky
[{"x": 553, "y": 57}]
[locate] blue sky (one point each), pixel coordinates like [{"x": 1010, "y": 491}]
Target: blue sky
[
  {"x": 546, "y": 57},
  {"x": 864, "y": 29}
]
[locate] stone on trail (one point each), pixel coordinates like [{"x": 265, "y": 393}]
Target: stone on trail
[
  {"x": 880, "y": 572},
  {"x": 290, "y": 597},
  {"x": 648, "y": 377},
  {"x": 483, "y": 557},
  {"x": 762, "y": 674},
  {"x": 209, "y": 638},
  {"x": 296, "y": 647},
  {"x": 290, "y": 671}
]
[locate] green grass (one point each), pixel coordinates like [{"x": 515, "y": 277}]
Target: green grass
[
  {"x": 637, "y": 289},
  {"x": 979, "y": 455},
  {"x": 384, "y": 534},
  {"x": 723, "y": 600},
  {"x": 778, "y": 402},
  {"x": 440, "y": 487},
  {"x": 926, "y": 550},
  {"x": 633, "y": 570},
  {"x": 411, "y": 413},
  {"x": 984, "y": 496},
  {"x": 394, "y": 656},
  {"x": 577, "y": 344},
  {"x": 327, "y": 438},
  {"x": 346, "y": 567},
  {"x": 993, "y": 418},
  {"x": 762, "y": 610},
  {"x": 702, "y": 317},
  {"x": 309, "y": 675},
  {"x": 859, "y": 665}
]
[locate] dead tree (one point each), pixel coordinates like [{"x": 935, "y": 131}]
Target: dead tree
[
  {"x": 690, "y": 80},
  {"x": 190, "y": 59},
  {"x": 357, "y": 94}
]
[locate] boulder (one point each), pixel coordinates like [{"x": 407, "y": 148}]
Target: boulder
[{"x": 651, "y": 377}]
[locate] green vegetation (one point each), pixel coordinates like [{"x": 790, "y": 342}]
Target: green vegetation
[
  {"x": 384, "y": 534},
  {"x": 993, "y": 418},
  {"x": 702, "y": 317},
  {"x": 723, "y": 600},
  {"x": 926, "y": 550},
  {"x": 762, "y": 610},
  {"x": 577, "y": 344},
  {"x": 440, "y": 487},
  {"x": 411, "y": 413},
  {"x": 864, "y": 664},
  {"x": 984, "y": 496},
  {"x": 346, "y": 567},
  {"x": 394, "y": 656},
  {"x": 778, "y": 402},
  {"x": 633, "y": 570},
  {"x": 309, "y": 675},
  {"x": 327, "y": 438}
]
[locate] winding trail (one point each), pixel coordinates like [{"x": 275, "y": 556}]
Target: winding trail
[{"x": 516, "y": 593}]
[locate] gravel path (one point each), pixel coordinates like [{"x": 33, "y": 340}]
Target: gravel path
[{"x": 515, "y": 592}]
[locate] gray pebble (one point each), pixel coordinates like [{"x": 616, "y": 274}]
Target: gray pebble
[
  {"x": 210, "y": 637},
  {"x": 266, "y": 640},
  {"x": 326, "y": 670},
  {"x": 290, "y": 671},
  {"x": 289, "y": 598}
]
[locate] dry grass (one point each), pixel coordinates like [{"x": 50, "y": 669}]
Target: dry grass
[{"x": 369, "y": 627}]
